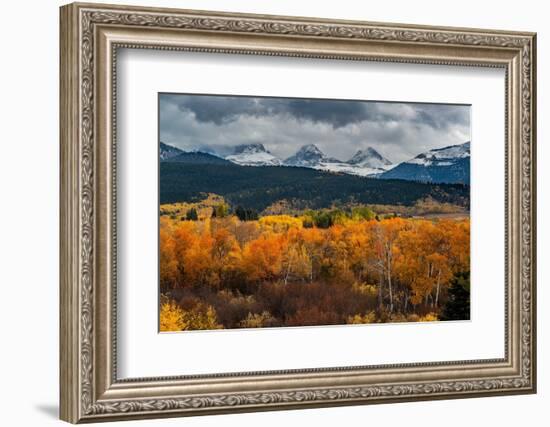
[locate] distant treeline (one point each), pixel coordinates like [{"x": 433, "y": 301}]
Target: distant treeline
[{"x": 259, "y": 187}]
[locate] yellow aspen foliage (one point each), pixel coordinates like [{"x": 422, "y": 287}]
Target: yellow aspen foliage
[
  {"x": 257, "y": 320},
  {"x": 331, "y": 266},
  {"x": 279, "y": 223},
  {"x": 365, "y": 289},
  {"x": 358, "y": 319},
  {"x": 168, "y": 261},
  {"x": 171, "y": 317},
  {"x": 202, "y": 316},
  {"x": 430, "y": 317}
]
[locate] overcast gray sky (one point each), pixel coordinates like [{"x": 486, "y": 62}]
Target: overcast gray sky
[{"x": 399, "y": 131}]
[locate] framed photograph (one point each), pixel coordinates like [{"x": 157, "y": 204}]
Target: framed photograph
[{"x": 266, "y": 212}]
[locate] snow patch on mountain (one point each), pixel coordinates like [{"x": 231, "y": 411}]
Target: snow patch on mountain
[
  {"x": 253, "y": 155},
  {"x": 342, "y": 167},
  {"x": 445, "y": 156},
  {"x": 446, "y": 165},
  {"x": 309, "y": 156},
  {"x": 167, "y": 151},
  {"x": 364, "y": 163},
  {"x": 369, "y": 158}
]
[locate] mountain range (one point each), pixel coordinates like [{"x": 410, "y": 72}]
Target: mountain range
[
  {"x": 448, "y": 164},
  {"x": 444, "y": 165}
]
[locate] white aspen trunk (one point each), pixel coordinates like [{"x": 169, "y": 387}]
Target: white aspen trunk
[
  {"x": 389, "y": 280},
  {"x": 437, "y": 289},
  {"x": 288, "y": 270},
  {"x": 380, "y": 291}
]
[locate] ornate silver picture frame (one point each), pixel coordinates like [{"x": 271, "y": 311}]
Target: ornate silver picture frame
[{"x": 91, "y": 36}]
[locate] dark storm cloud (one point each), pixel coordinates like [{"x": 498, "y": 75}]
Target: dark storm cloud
[
  {"x": 222, "y": 109},
  {"x": 398, "y": 130},
  {"x": 335, "y": 113},
  {"x": 226, "y": 109},
  {"x": 442, "y": 116}
]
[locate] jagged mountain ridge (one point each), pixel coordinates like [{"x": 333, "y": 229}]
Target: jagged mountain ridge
[
  {"x": 253, "y": 155},
  {"x": 168, "y": 151},
  {"x": 369, "y": 157},
  {"x": 364, "y": 163},
  {"x": 449, "y": 164},
  {"x": 197, "y": 158},
  {"x": 309, "y": 156}
]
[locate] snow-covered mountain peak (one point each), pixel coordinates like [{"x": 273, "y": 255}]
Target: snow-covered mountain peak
[
  {"x": 369, "y": 157},
  {"x": 250, "y": 149},
  {"x": 442, "y": 156},
  {"x": 311, "y": 149},
  {"x": 365, "y": 162},
  {"x": 449, "y": 164},
  {"x": 168, "y": 151},
  {"x": 459, "y": 151},
  {"x": 308, "y": 156},
  {"x": 253, "y": 155}
]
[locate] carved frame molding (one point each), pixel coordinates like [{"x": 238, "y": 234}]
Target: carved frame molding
[{"x": 90, "y": 37}]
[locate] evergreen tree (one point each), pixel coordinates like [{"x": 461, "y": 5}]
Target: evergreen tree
[
  {"x": 192, "y": 215},
  {"x": 221, "y": 210},
  {"x": 246, "y": 214},
  {"x": 240, "y": 213},
  {"x": 458, "y": 303},
  {"x": 252, "y": 215}
]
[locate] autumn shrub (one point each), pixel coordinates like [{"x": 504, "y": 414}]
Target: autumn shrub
[
  {"x": 430, "y": 317},
  {"x": 201, "y": 316},
  {"x": 258, "y": 320},
  {"x": 191, "y": 315},
  {"x": 369, "y": 317},
  {"x": 313, "y": 316},
  {"x": 232, "y": 308},
  {"x": 291, "y": 301},
  {"x": 171, "y": 316},
  {"x": 365, "y": 289},
  {"x": 398, "y": 317},
  {"x": 273, "y": 295},
  {"x": 196, "y": 314},
  {"x": 413, "y": 317}
]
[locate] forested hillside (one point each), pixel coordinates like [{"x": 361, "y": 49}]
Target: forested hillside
[{"x": 259, "y": 187}]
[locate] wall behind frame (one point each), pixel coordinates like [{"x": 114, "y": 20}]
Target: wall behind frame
[{"x": 29, "y": 171}]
